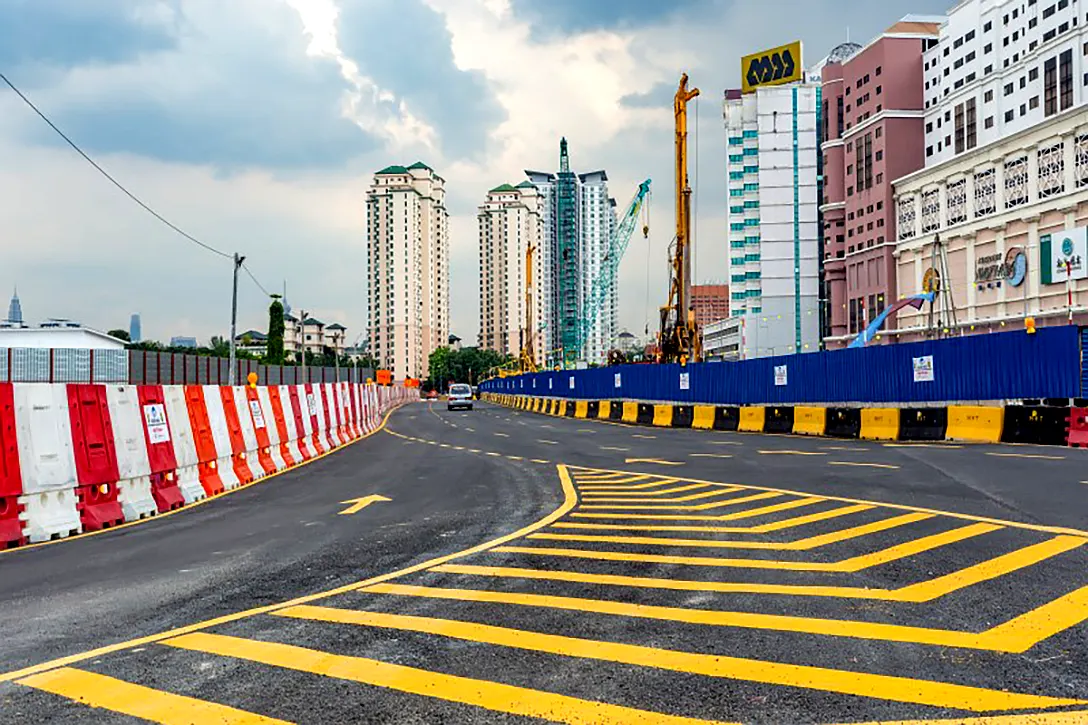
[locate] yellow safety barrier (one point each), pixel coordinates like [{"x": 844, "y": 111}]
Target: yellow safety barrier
[
  {"x": 975, "y": 423},
  {"x": 630, "y": 411},
  {"x": 581, "y": 409},
  {"x": 604, "y": 411},
  {"x": 810, "y": 421},
  {"x": 537, "y": 402},
  {"x": 703, "y": 417},
  {"x": 751, "y": 419},
  {"x": 880, "y": 424},
  {"x": 663, "y": 416}
]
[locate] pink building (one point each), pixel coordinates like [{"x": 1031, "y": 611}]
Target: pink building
[{"x": 873, "y": 133}]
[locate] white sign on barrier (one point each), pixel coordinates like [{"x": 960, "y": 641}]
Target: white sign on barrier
[
  {"x": 923, "y": 369},
  {"x": 685, "y": 381},
  {"x": 619, "y": 381},
  {"x": 781, "y": 375},
  {"x": 571, "y": 379},
  {"x": 157, "y": 429},
  {"x": 311, "y": 403},
  {"x": 258, "y": 414}
]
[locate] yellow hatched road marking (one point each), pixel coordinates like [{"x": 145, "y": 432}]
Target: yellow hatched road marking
[
  {"x": 758, "y": 529},
  {"x": 452, "y": 688},
  {"x": 677, "y": 499},
  {"x": 659, "y": 507},
  {"x": 598, "y": 491},
  {"x": 748, "y": 513},
  {"x": 863, "y": 684},
  {"x": 806, "y": 544},
  {"x": 852, "y": 565},
  {"x": 1067, "y": 717},
  {"x": 629, "y": 484},
  {"x": 863, "y": 465},
  {"x": 919, "y": 592},
  {"x": 1017, "y": 635},
  {"x": 605, "y": 476},
  {"x": 901, "y": 507},
  {"x": 109, "y": 693}
]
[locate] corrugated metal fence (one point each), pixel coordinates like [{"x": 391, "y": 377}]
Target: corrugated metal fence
[
  {"x": 997, "y": 366},
  {"x": 142, "y": 367}
]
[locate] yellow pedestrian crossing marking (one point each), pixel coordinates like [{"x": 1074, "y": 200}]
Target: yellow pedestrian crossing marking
[
  {"x": 862, "y": 684},
  {"x": 147, "y": 703},
  {"x": 481, "y": 693}
]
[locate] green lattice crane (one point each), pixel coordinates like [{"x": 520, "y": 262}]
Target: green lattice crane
[{"x": 617, "y": 245}]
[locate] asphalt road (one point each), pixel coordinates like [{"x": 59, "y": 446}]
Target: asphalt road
[{"x": 531, "y": 568}]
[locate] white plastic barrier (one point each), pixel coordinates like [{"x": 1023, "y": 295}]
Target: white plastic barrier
[
  {"x": 245, "y": 419},
  {"x": 221, "y": 436},
  {"x": 289, "y": 422},
  {"x": 181, "y": 430},
  {"x": 133, "y": 465},
  {"x": 271, "y": 427},
  {"x": 308, "y": 435},
  {"x": 335, "y": 420},
  {"x": 47, "y": 462}
]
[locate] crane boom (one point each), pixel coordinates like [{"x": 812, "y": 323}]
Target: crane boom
[
  {"x": 679, "y": 337},
  {"x": 617, "y": 246}
]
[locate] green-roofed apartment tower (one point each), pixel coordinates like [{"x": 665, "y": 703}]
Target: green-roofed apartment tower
[{"x": 407, "y": 268}]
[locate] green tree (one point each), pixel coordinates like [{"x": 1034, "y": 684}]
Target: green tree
[
  {"x": 119, "y": 334},
  {"x": 439, "y": 366},
  {"x": 220, "y": 347},
  {"x": 274, "y": 351}
]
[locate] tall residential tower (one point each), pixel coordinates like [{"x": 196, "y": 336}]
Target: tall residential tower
[
  {"x": 407, "y": 268},
  {"x": 578, "y": 219}
]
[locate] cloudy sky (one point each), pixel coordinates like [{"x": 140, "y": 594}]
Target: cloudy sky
[{"x": 255, "y": 125}]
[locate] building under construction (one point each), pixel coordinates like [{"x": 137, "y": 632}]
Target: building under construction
[{"x": 579, "y": 218}]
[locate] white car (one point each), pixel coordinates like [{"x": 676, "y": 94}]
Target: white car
[{"x": 460, "y": 396}]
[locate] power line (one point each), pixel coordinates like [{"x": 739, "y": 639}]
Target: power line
[
  {"x": 112, "y": 180},
  {"x": 259, "y": 285}
]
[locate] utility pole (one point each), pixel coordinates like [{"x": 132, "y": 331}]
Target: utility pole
[
  {"x": 302, "y": 341},
  {"x": 238, "y": 260}
]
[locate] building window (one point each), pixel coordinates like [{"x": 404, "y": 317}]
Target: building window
[
  {"x": 1050, "y": 87},
  {"x": 1008, "y": 89},
  {"x": 988, "y": 96},
  {"x": 956, "y": 199},
  {"x": 961, "y": 132},
  {"x": 905, "y": 217},
  {"x": 985, "y": 201},
  {"x": 1080, "y": 158},
  {"x": 1009, "y": 116},
  {"x": 1016, "y": 182},
  {"x": 1051, "y": 170},
  {"x": 931, "y": 211},
  {"x": 1066, "y": 78},
  {"x": 878, "y": 133}
]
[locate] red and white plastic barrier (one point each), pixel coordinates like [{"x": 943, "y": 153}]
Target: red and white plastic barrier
[{"x": 82, "y": 457}]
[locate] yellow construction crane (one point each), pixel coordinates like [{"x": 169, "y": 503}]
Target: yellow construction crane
[
  {"x": 679, "y": 339},
  {"x": 527, "y": 359}
]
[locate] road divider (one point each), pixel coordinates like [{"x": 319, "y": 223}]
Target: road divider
[
  {"x": 80, "y": 458},
  {"x": 1041, "y": 422}
]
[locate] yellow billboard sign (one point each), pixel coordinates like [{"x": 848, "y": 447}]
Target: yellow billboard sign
[{"x": 771, "y": 67}]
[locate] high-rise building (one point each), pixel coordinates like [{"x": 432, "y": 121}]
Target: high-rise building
[
  {"x": 134, "y": 332},
  {"x": 407, "y": 268},
  {"x": 15, "y": 311},
  {"x": 872, "y": 134},
  {"x": 773, "y": 202},
  {"x": 579, "y": 218},
  {"x": 999, "y": 213},
  {"x": 711, "y": 303},
  {"x": 509, "y": 225}
]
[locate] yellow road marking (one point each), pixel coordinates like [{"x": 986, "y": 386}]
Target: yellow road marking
[
  {"x": 358, "y": 504},
  {"x": 658, "y": 461},
  {"x": 863, "y": 684},
  {"x": 806, "y": 544},
  {"x": 643, "y": 436},
  {"x": 626, "y": 483},
  {"x": 570, "y": 498},
  {"x": 620, "y": 498},
  {"x": 917, "y": 593},
  {"x": 747, "y": 513},
  {"x": 759, "y": 529},
  {"x": 597, "y": 491},
  {"x": 452, "y": 688},
  {"x": 792, "y": 453},
  {"x": 515, "y": 458},
  {"x": 852, "y": 565},
  {"x": 853, "y": 463},
  {"x": 711, "y": 455},
  {"x": 614, "y": 448},
  {"x": 444, "y": 445},
  {"x": 904, "y": 507},
  {"x": 492, "y": 453},
  {"x": 1067, "y": 717},
  {"x": 96, "y": 690},
  {"x": 586, "y": 430},
  {"x": 843, "y": 448},
  {"x": 1027, "y": 455},
  {"x": 1016, "y": 636},
  {"x": 502, "y": 435},
  {"x": 921, "y": 445},
  {"x": 539, "y": 460},
  {"x": 547, "y": 443},
  {"x": 669, "y": 507},
  {"x": 725, "y": 443}
]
